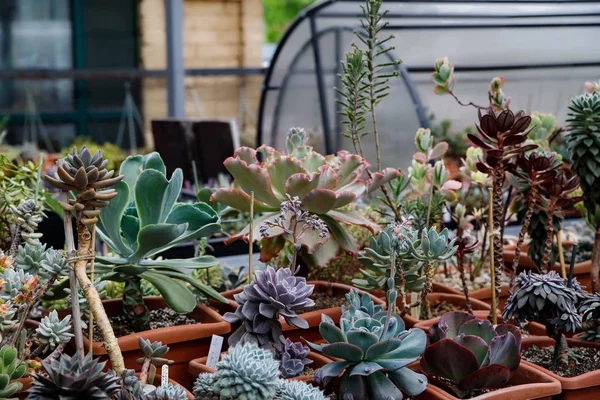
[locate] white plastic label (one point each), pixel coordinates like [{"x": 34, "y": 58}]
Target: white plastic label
[
  {"x": 214, "y": 353},
  {"x": 164, "y": 375}
]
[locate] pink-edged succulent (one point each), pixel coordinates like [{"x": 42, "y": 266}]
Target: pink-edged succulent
[
  {"x": 323, "y": 184},
  {"x": 468, "y": 354}
]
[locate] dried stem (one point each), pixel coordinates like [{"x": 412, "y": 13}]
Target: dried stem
[
  {"x": 561, "y": 255},
  {"x": 144, "y": 372},
  {"x": 94, "y": 302},
  {"x": 524, "y": 229},
  {"x": 469, "y": 104},
  {"x": 71, "y": 252},
  {"x": 250, "y": 236},
  {"x": 91, "y": 316},
  {"x": 549, "y": 237}
]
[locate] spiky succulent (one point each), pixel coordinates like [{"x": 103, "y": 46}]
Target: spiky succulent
[
  {"x": 245, "y": 372},
  {"x": 432, "y": 246},
  {"x": 545, "y": 298},
  {"x": 271, "y": 294},
  {"x": 468, "y": 354},
  {"x": 153, "y": 351},
  {"x": 11, "y": 368},
  {"x": 590, "y": 310},
  {"x": 293, "y": 359},
  {"x": 377, "y": 260},
  {"x": 53, "y": 332},
  {"x": 73, "y": 378},
  {"x": 297, "y": 390},
  {"x": 371, "y": 358},
  {"x": 28, "y": 216},
  {"x": 29, "y": 257},
  {"x": 583, "y": 143},
  {"x": 53, "y": 264},
  {"x": 84, "y": 174},
  {"x": 168, "y": 392},
  {"x": 324, "y": 185}
]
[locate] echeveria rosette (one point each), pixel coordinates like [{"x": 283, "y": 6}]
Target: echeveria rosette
[
  {"x": 370, "y": 359},
  {"x": 324, "y": 186},
  {"x": 270, "y": 295},
  {"x": 470, "y": 353}
]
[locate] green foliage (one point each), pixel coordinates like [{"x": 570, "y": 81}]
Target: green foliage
[
  {"x": 153, "y": 352},
  {"x": 354, "y": 95},
  {"x": 11, "y": 368},
  {"x": 143, "y": 220},
  {"x": 458, "y": 143},
  {"x": 583, "y": 143},
  {"x": 372, "y": 350},
  {"x": 111, "y": 152},
  {"x": 297, "y": 390},
  {"x": 278, "y": 14},
  {"x": 468, "y": 354},
  {"x": 73, "y": 378},
  {"x": 537, "y": 232}
]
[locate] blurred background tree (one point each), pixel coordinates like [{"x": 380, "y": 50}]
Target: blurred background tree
[{"x": 278, "y": 14}]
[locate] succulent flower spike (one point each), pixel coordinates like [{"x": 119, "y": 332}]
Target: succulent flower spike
[
  {"x": 73, "y": 378},
  {"x": 470, "y": 353},
  {"x": 85, "y": 174},
  {"x": 271, "y": 294}
]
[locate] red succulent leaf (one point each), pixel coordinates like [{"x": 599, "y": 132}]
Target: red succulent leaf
[
  {"x": 489, "y": 125},
  {"x": 521, "y": 124},
  {"x": 505, "y": 120},
  {"x": 514, "y": 140},
  {"x": 478, "y": 142},
  {"x": 487, "y": 377},
  {"x": 481, "y": 167}
]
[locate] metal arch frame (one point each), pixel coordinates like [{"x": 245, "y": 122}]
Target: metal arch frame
[
  {"x": 404, "y": 74},
  {"x": 311, "y": 12}
]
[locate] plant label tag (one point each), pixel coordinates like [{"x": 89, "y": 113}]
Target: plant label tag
[
  {"x": 164, "y": 375},
  {"x": 216, "y": 344}
]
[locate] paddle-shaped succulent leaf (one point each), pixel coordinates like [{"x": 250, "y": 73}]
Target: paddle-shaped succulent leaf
[
  {"x": 468, "y": 354},
  {"x": 370, "y": 359},
  {"x": 11, "y": 369},
  {"x": 270, "y": 295},
  {"x": 145, "y": 219},
  {"x": 323, "y": 184}
]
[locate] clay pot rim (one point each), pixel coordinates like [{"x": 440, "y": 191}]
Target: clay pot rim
[
  {"x": 189, "y": 395},
  {"x": 444, "y": 297},
  {"x": 589, "y": 379},
  {"x": 315, "y": 313},
  {"x": 184, "y": 332},
  {"x": 580, "y": 268},
  {"x": 198, "y": 366},
  {"x": 542, "y": 389}
]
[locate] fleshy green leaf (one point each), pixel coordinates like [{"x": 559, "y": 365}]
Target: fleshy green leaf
[{"x": 177, "y": 296}]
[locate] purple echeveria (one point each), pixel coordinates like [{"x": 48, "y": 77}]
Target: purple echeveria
[
  {"x": 293, "y": 359},
  {"x": 271, "y": 294}
]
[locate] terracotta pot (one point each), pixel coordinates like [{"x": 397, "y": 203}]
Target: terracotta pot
[
  {"x": 584, "y": 343},
  {"x": 581, "y": 271},
  {"x": 198, "y": 366},
  {"x": 314, "y": 317},
  {"x": 485, "y": 295},
  {"x": 22, "y": 394},
  {"x": 527, "y": 383},
  {"x": 533, "y": 327},
  {"x": 582, "y": 387},
  {"x": 455, "y": 299},
  {"x": 186, "y": 342},
  {"x": 157, "y": 379}
]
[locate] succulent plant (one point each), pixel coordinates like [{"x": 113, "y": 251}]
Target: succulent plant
[
  {"x": 53, "y": 264},
  {"x": 324, "y": 185},
  {"x": 13, "y": 282},
  {"x": 590, "y": 310},
  {"x": 271, "y": 294},
  {"x": 28, "y": 216},
  {"x": 373, "y": 353},
  {"x": 245, "y": 372},
  {"x": 432, "y": 247},
  {"x": 545, "y": 298},
  {"x": 443, "y": 76},
  {"x": 153, "y": 352},
  {"x": 297, "y": 390},
  {"x": 29, "y": 257},
  {"x": 52, "y": 332},
  {"x": 168, "y": 392},
  {"x": 501, "y": 137},
  {"x": 377, "y": 260},
  {"x": 11, "y": 368},
  {"x": 583, "y": 143},
  {"x": 468, "y": 354},
  {"x": 73, "y": 378},
  {"x": 143, "y": 220},
  {"x": 130, "y": 386},
  {"x": 8, "y": 320},
  {"x": 293, "y": 359}
]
